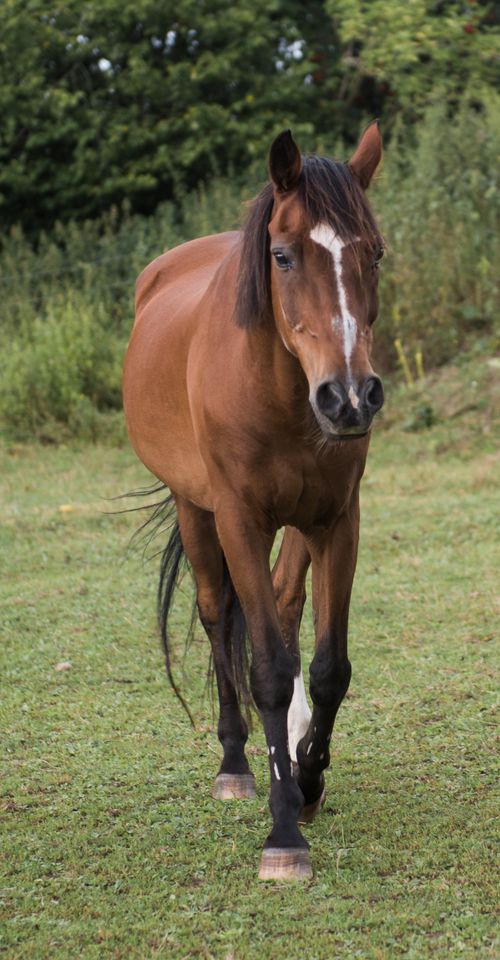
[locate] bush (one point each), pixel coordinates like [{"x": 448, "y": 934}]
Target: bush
[
  {"x": 60, "y": 374},
  {"x": 67, "y": 305},
  {"x": 438, "y": 200}
]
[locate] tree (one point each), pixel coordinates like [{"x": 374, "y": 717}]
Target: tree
[
  {"x": 415, "y": 48},
  {"x": 106, "y": 101},
  {"x": 102, "y": 101}
]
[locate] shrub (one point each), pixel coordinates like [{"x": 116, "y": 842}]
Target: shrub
[
  {"x": 439, "y": 203},
  {"x": 67, "y": 304},
  {"x": 60, "y": 373}
]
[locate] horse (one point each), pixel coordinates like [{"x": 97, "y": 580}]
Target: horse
[{"x": 249, "y": 393}]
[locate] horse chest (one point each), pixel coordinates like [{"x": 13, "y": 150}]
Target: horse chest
[{"x": 307, "y": 496}]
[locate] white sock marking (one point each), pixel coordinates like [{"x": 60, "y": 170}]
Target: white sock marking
[
  {"x": 299, "y": 715},
  {"x": 327, "y": 237}
]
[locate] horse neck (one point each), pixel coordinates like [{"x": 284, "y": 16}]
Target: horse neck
[{"x": 281, "y": 374}]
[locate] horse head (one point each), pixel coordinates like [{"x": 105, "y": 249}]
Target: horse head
[{"x": 325, "y": 249}]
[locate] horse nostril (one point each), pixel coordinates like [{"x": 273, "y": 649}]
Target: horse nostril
[
  {"x": 331, "y": 399},
  {"x": 374, "y": 394}
]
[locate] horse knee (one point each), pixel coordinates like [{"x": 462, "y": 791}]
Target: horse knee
[
  {"x": 271, "y": 681},
  {"x": 330, "y": 676}
]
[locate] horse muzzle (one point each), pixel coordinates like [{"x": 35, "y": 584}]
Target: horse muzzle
[{"x": 343, "y": 412}]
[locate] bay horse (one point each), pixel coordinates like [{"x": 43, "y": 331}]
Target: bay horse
[{"x": 249, "y": 393}]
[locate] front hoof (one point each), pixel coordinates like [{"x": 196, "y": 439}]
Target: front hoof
[
  {"x": 309, "y": 811},
  {"x": 234, "y": 786},
  {"x": 282, "y": 863}
]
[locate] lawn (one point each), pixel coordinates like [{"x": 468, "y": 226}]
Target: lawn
[{"x": 112, "y": 846}]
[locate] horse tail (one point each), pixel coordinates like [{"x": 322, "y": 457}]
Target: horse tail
[
  {"x": 173, "y": 564},
  {"x": 233, "y": 634},
  {"x": 162, "y": 518}
]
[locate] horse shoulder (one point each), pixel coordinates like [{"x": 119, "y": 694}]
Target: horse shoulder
[{"x": 185, "y": 270}]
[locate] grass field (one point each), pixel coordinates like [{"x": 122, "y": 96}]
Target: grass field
[{"x": 112, "y": 845}]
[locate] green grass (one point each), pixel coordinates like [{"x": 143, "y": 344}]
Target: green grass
[{"x": 112, "y": 845}]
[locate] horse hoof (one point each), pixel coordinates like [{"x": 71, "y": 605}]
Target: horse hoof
[
  {"x": 280, "y": 863},
  {"x": 234, "y": 786},
  {"x": 309, "y": 811}
]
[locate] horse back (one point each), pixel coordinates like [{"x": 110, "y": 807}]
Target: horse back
[{"x": 184, "y": 272}]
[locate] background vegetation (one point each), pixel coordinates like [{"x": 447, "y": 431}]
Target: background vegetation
[
  {"x": 127, "y": 128},
  {"x": 139, "y": 100},
  {"x": 67, "y": 302}
]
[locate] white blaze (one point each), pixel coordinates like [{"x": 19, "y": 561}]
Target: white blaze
[
  {"x": 327, "y": 237},
  {"x": 299, "y": 715},
  {"x": 353, "y": 398}
]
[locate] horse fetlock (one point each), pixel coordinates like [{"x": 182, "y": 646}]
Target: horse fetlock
[
  {"x": 310, "y": 767},
  {"x": 232, "y": 730},
  {"x": 234, "y": 759},
  {"x": 312, "y": 755},
  {"x": 285, "y": 833},
  {"x": 312, "y": 807}
]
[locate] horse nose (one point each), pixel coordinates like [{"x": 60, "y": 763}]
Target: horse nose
[
  {"x": 372, "y": 395},
  {"x": 350, "y": 411},
  {"x": 331, "y": 399}
]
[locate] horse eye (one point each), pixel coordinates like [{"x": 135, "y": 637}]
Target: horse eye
[
  {"x": 378, "y": 256},
  {"x": 282, "y": 260}
]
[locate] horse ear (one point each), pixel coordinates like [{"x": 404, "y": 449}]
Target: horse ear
[
  {"x": 368, "y": 155},
  {"x": 285, "y": 162}
]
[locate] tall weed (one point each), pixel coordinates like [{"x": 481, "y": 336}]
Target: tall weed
[{"x": 438, "y": 200}]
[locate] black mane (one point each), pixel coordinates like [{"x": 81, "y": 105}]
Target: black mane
[{"x": 329, "y": 193}]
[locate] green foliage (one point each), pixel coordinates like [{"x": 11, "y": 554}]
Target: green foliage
[
  {"x": 410, "y": 49},
  {"x": 61, "y": 373},
  {"x": 439, "y": 203},
  {"x": 116, "y": 101},
  {"x": 66, "y": 305},
  {"x": 119, "y": 100}
]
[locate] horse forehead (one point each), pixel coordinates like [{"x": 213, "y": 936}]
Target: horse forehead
[
  {"x": 325, "y": 235},
  {"x": 288, "y": 217}
]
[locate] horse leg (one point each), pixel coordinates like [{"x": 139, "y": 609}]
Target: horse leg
[
  {"x": 334, "y": 563},
  {"x": 216, "y": 607},
  {"x": 289, "y": 575},
  {"x": 247, "y": 540}
]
